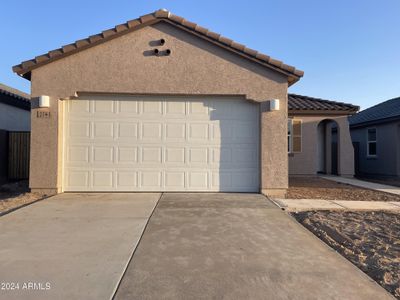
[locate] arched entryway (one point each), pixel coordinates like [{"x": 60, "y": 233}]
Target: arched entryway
[{"x": 328, "y": 147}]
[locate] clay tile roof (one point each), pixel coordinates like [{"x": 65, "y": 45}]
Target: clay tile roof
[
  {"x": 305, "y": 103},
  {"x": 14, "y": 97},
  {"x": 380, "y": 113},
  {"x": 25, "y": 67}
]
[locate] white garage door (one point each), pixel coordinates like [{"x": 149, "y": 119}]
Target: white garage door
[{"x": 116, "y": 143}]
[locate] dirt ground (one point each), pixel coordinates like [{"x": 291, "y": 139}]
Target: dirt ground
[
  {"x": 319, "y": 188},
  {"x": 370, "y": 240},
  {"x": 15, "y": 194}
]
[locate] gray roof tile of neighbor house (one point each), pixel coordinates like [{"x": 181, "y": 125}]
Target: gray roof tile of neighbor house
[
  {"x": 25, "y": 67},
  {"x": 14, "y": 97},
  {"x": 383, "y": 112},
  {"x": 305, "y": 103}
]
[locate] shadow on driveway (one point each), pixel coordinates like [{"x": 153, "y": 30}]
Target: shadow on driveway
[{"x": 236, "y": 246}]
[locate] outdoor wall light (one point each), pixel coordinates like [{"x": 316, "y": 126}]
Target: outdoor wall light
[
  {"x": 44, "y": 101},
  {"x": 274, "y": 104}
]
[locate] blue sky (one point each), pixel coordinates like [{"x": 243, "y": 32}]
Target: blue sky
[{"x": 349, "y": 49}]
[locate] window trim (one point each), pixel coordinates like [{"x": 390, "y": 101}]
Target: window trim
[
  {"x": 290, "y": 135},
  {"x": 372, "y": 141}
]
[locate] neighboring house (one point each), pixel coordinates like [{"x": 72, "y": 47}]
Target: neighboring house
[
  {"x": 15, "y": 115},
  {"x": 15, "y": 109},
  {"x": 319, "y": 137},
  {"x": 159, "y": 104},
  {"x": 376, "y": 137}
]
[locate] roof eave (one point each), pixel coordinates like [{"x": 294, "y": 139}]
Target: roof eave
[
  {"x": 24, "y": 69},
  {"x": 315, "y": 112},
  {"x": 375, "y": 122}
]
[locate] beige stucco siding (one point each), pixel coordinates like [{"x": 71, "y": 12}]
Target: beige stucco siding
[
  {"x": 306, "y": 161},
  {"x": 124, "y": 65}
]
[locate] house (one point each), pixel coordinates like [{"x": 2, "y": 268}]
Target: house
[
  {"x": 14, "y": 109},
  {"x": 319, "y": 139},
  {"x": 14, "y": 116},
  {"x": 158, "y": 104},
  {"x": 375, "y": 133}
]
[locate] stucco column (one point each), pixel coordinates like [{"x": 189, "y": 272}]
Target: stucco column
[
  {"x": 43, "y": 177},
  {"x": 346, "y": 150},
  {"x": 328, "y": 148},
  {"x": 274, "y": 155}
]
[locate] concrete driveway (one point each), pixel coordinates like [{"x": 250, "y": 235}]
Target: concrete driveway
[
  {"x": 236, "y": 246},
  {"x": 77, "y": 245}
]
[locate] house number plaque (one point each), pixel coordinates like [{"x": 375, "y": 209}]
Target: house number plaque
[{"x": 43, "y": 114}]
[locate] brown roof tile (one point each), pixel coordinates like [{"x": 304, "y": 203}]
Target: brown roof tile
[
  {"x": 201, "y": 30},
  {"x": 305, "y": 103},
  {"x": 160, "y": 15},
  {"x": 133, "y": 23},
  {"x": 213, "y": 35},
  {"x": 250, "y": 52},
  {"x": 68, "y": 48},
  {"x": 122, "y": 27},
  {"x": 147, "y": 18},
  {"x": 189, "y": 24}
]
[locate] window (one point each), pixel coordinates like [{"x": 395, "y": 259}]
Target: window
[
  {"x": 294, "y": 135},
  {"x": 289, "y": 134},
  {"x": 371, "y": 142}
]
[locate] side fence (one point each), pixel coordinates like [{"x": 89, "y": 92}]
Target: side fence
[{"x": 18, "y": 154}]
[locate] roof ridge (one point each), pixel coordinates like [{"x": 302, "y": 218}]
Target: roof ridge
[{"x": 25, "y": 67}]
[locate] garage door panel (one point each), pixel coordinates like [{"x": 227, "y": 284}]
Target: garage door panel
[
  {"x": 151, "y": 131},
  {"x": 175, "y": 155},
  {"x": 103, "y": 154},
  {"x": 175, "y": 108},
  {"x": 198, "y": 156},
  {"x": 78, "y": 129},
  {"x": 127, "y": 155},
  {"x": 103, "y": 106},
  {"x": 128, "y": 107},
  {"x": 127, "y": 130},
  {"x": 198, "y": 180},
  {"x": 79, "y": 154},
  {"x": 103, "y": 130},
  {"x": 222, "y": 155},
  {"x": 78, "y": 107},
  {"x": 175, "y": 131},
  {"x": 161, "y": 144},
  {"x": 151, "y": 179},
  {"x": 102, "y": 179},
  {"x": 127, "y": 180},
  {"x": 174, "y": 180},
  {"x": 199, "y": 131},
  {"x": 78, "y": 180},
  {"x": 199, "y": 108}
]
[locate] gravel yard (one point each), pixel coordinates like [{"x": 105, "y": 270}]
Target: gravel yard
[
  {"x": 15, "y": 194},
  {"x": 319, "y": 188},
  {"x": 370, "y": 240}
]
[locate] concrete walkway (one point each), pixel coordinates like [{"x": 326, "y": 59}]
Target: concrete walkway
[
  {"x": 365, "y": 184},
  {"x": 77, "y": 245},
  {"x": 318, "y": 204},
  {"x": 236, "y": 246}
]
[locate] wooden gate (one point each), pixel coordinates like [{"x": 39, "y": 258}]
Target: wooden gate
[{"x": 18, "y": 154}]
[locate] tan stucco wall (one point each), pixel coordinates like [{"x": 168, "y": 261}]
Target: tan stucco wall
[
  {"x": 195, "y": 67},
  {"x": 306, "y": 162}
]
